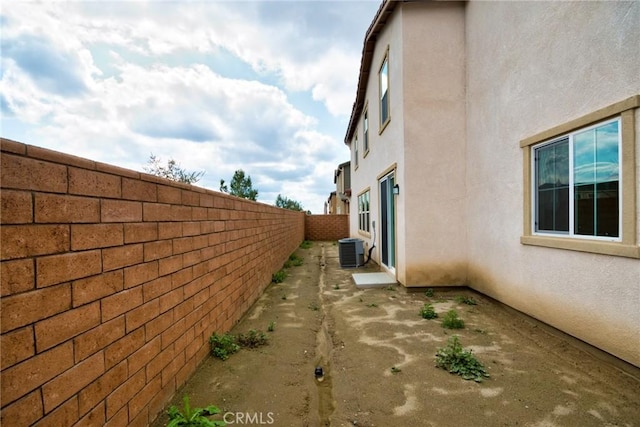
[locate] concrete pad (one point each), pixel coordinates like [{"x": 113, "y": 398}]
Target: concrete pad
[{"x": 373, "y": 280}]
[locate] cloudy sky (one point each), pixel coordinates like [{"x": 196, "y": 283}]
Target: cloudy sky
[{"x": 263, "y": 86}]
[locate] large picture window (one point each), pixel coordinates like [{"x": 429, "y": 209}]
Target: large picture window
[
  {"x": 363, "y": 212},
  {"x": 577, "y": 183},
  {"x": 580, "y": 183}
]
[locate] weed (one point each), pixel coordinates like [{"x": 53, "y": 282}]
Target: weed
[
  {"x": 223, "y": 346},
  {"x": 271, "y": 327},
  {"x": 481, "y": 331},
  {"x": 306, "y": 244},
  {"x": 459, "y": 361},
  {"x": 466, "y": 300},
  {"x": 428, "y": 293},
  {"x": 360, "y": 299},
  {"x": 314, "y": 306},
  {"x": 336, "y": 286},
  {"x": 395, "y": 370},
  {"x": 452, "y": 321},
  {"x": 196, "y": 417},
  {"x": 427, "y": 312},
  {"x": 279, "y": 276},
  {"x": 295, "y": 260},
  {"x": 373, "y": 304},
  {"x": 253, "y": 339},
  {"x": 390, "y": 288}
]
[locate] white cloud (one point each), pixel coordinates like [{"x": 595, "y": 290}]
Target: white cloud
[{"x": 126, "y": 85}]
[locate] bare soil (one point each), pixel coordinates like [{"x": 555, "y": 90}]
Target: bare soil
[{"x": 539, "y": 377}]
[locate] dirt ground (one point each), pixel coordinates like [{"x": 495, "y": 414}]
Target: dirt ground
[{"x": 538, "y": 377}]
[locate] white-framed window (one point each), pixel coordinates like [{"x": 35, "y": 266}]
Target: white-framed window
[
  {"x": 355, "y": 150},
  {"x": 383, "y": 86},
  {"x": 363, "y": 211},
  {"x": 365, "y": 131},
  {"x": 576, "y": 183}
]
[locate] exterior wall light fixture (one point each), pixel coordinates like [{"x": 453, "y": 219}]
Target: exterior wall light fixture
[{"x": 396, "y": 189}]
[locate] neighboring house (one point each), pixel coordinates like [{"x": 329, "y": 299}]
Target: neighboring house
[
  {"x": 338, "y": 201},
  {"x": 496, "y": 145}
]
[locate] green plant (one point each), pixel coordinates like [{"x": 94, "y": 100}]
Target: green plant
[
  {"x": 395, "y": 370},
  {"x": 336, "y": 286},
  {"x": 428, "y": 293},
  {"x": 295, "y": 260},
  {"x": 223, "y": 346},
  {"x": 427, "y": 312},
  {"x": 196, "y": 417},
  {"x": 373, "y": 304},
  {"x": 390, "y": 288},
  {"x": 458, "y": 361},
  {"x": 271, "y": 327},
  {"x": 252, "y": 339},
  {"x": 306, "y": 244},
  {"x": 314, "y": 306},
  {"x": 283, "y": 296},
  {"x": 452, "y": 321},
  {"x": 466, "y": 300},
  {"x": 279, "y": 276}
]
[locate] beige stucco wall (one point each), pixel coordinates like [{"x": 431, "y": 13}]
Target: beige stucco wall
[
  {"x": 385, "y": 149},
  {"x": 530, "y": 67},
  {"x": 434, "y": 141}
]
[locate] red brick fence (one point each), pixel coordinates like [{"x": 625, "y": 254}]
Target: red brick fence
[{"x": 112, "y": 282}]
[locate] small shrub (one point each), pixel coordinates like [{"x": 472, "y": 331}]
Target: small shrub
[
  {"x": 395, "y": 370},
  {"x": 314, "y": 306},
  {"x": 466, "y": 300},
  {"x": 427, "y": 312},
  {"x": 279, "y": 276},
  {"x": 461, "y": 362},
  {"x": 253, "y": 339},
  {"x": 428, "y": 293},
  {"x": 295, "y": 260},
  {"x": 223, "y": 346},
  {"x": 196, "y": 417},
  {"x": 306, "y": 244},
  {"x": 271, "y": 327},
  {"x": 452, "y": 321}
]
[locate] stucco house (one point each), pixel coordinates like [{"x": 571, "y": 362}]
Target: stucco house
[
  {"x": 497, "y": 145},
  {"x": 339, "y": 199}
]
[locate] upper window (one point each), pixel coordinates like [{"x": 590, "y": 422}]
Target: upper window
[
  {"x": 383, "y": 77},
  {"x": 355, "y": 150},
  {"x": 577, "y": 183},
  {"x": 363, "y": 212},
  {"x": 365, "y": 131},
  {"x": 580, "y": 185}
]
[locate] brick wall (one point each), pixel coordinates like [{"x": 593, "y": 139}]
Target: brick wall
[
  {"x": 326, "y": 227},
  {"x": 112, "y": 282}
]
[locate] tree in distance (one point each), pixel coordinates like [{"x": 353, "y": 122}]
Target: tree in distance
[
  {"x": 240, "y": 186},
  {"x": 171, "y": 171},
  {"x": 287, "y": 203}
]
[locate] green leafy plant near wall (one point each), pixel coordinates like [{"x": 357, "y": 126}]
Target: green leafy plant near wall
[
  {"x": 306, "y": 244},
  {"x": 252, "y": 339},
  {"x": 223, "y": 346},
  {"x": 196, "y": 417},
  {"x": 279, "y": 276},
  {"x": 466, "y": 300},
  {"x": 461, "y": 362}
]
